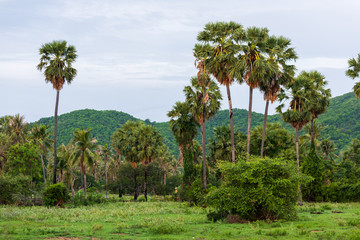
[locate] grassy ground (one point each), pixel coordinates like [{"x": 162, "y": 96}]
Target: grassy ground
[{"x": 171, "y": 220}]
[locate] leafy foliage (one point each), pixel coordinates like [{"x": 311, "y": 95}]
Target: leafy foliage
[
  {"x": 258, "y": 189},
  {"x": 55, "y": 195}
]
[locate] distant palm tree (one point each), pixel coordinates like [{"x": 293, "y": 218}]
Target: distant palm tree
[
  {"x": 328, "y": 148},
  {"x": 40, "y": 136},
  {"x": 353, "y": 72},
  {"x": 56, "y": 60},
  {"x": 84, "y": 151},
  {"x": 149, "y": 147},
  {"x": 204, "y": 98},
  {"x": 297, "y": 115},
  {"x": 278, "y": 73},
  {"x": 17, "y": 128},
  {"x": 219, "y": 51},
  {"x": 106, "y": 152}
]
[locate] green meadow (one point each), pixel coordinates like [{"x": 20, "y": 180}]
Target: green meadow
[{"x": 172, "y": 220}]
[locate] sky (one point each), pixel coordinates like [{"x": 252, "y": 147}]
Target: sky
[{"x": 136, "y": 56}]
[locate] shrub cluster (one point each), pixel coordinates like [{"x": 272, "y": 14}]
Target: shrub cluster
[
  {"x": 254, "y": 190},
  {"x": 55, "y": 195}
]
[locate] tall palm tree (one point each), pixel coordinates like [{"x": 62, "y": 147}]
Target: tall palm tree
[
  {"x": 279, "y": 73},
  {"x": 353, "y": 72},
  {"x": 252, "y": 58},
  {"x": 316, "y": 94},
  {"x": 149, "y": 147},
  {"x": 56, "y": 60},
  {"x": 84, "y": 152},
  {"x": 204, "y": 98},
  {"x": 67, "y": 166},
  {"x": 297, "y": 115},
  {"x": 40, "y": 136},
  {"x": 219, "y": 51}
]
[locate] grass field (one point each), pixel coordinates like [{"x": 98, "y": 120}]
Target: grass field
[{"x": 171, "y": 220}]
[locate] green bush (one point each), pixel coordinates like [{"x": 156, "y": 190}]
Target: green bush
[
  {"x": 258, "y": 189},
  {"x": 12, "y": 187},
  {"x": 55, "y": 195}
]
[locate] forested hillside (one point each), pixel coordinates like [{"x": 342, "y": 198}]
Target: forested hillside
[{"x": 341, "y": 119}]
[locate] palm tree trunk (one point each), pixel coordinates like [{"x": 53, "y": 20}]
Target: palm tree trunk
[
  {"x": 312, "y": 129},
  {"x": 203, "y": 130},
  {"x": 300, "y": 202},
  {"x": 135, "y": 186},
  {"x": 249, "y": 123},
  {"x": 181, "y": 155},
  {"x": 231, "y": 124},
  {"x": 106, "y": 177},
  {"x": 43, "y": 167},
  {"x": 55, "y": 133},
  {"x": 145, "y": 182},
  {"x": 264, "y": 129}
]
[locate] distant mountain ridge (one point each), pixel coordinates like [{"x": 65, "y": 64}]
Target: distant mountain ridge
[{"x": 341, "y": 119}]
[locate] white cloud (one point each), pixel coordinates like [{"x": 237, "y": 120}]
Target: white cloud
[{"x": 321, "y": 62}]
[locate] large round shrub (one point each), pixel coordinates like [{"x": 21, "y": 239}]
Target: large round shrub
[
  {"x": 258, "y": 189},
  {"x": 55, "y": 195}
]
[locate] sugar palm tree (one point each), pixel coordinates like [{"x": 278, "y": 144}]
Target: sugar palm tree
[
  {"x": 297, "y": 115},
  {"x": 278, "y": 73},
  {"x": 204, "y": 98},
  {"x": 219, "y": 51},
  {"x": 149, "y": 147},
  {"x": 316, "y": 94},
  {"x": 183, "y": 126},
  {"x": 56, "y": 60},
  {"x": 84, "y": 151},
  {"x": 125, "y": 138},
  {"x": 40, "y": 136},
  {"x": 353, "y": 72},
  {"x": 253, "y": 60}
]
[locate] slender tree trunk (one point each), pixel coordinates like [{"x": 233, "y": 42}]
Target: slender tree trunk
[
  {"x": 85, "y": 191},
  {"x": 300, "y": 202},
  {"x": 204, "y": 138},
  {"x": 55, "y": 134},
  {"x": 181, "y": 155},
  {"x": 43, "y": 167},
  {"x": 106, "y": 177},
  {"x": 81, "y": 177},
  {"x": 145, "y": 182},
  {"x": 264, "y": 129},
  {"x": 231, "y": 124},
  {"x": 249, "y": 124},
  {"x": 72, "y": 187},
  {"x": 135, "y": 186},
  {"x": 312, "y": 129}
]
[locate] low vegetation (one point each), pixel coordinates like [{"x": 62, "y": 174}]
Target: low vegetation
[{"x": 172, "y": 220}]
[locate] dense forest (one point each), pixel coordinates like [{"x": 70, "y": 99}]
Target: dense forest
[{"x": 340, "y": 121}]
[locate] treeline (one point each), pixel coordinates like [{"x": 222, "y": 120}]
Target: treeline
[{"x": 340, "y": 121}]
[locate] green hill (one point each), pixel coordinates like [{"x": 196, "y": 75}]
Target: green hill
[{"x": 341, "y": 119}]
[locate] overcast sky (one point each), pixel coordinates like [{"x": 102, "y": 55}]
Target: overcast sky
[{"x": 136, "y": 56}]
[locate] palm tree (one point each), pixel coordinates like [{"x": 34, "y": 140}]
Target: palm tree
[
  {"x": 204, "y": 98},
  {"x": 17, "y": 128},
  {"x": 328, "y": 149},
  {"x": 56, "y": 60},
  {"x": 253, "y": 60},
  {"x": 279, "y": 73},
  {"x": 41, "y": 137},
  {"x": 106, "y": 152},
  {"x": 67, "y": 167},
  {"x": 184, "y": 127},
  {"x": 297, "y": 115},
  {"x": 219, "y": 51},
  {"x": 126, "y": 140},
  {"x": 316, "y": 94},
  {"x": 84, "y": 151},
  {"x": 149, "y": 147},
  {"x": 353, "y": 72}
]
